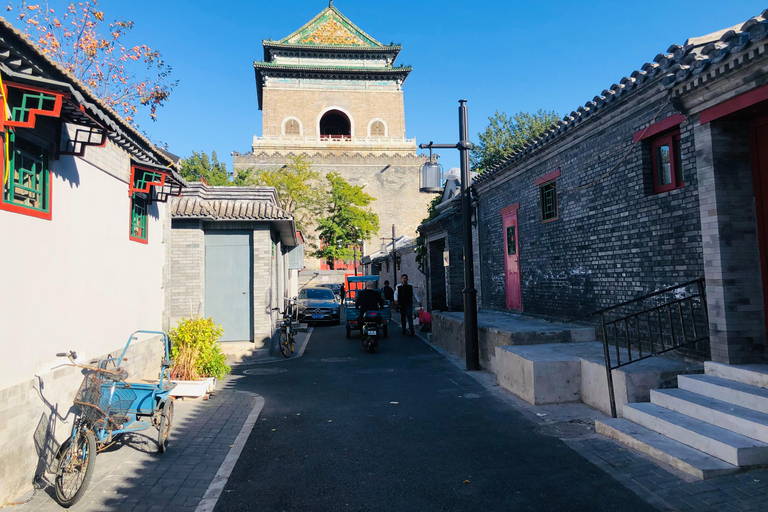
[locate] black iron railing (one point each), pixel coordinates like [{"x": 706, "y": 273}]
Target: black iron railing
[{"x": 670, "y": 319}]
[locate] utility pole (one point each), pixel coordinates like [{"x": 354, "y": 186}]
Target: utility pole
[
  {"x": 469, "y": 292},
  {"x": 394, "y": 256}
]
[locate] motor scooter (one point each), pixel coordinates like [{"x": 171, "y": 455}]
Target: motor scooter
[{"x": 371, "y": 330}]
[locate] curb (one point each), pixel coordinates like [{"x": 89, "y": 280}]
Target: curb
[{"x": 302, "y": 342}]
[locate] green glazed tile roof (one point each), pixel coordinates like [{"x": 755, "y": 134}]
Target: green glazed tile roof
[{"x": 331, "y": 28}]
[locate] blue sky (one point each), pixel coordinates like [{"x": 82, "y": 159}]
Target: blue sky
[{"x": 499, "y": 55}]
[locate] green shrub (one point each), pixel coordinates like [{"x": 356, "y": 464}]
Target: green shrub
[{"x": 196, "y": 350}]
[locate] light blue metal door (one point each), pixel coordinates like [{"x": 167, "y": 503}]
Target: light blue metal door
[{"x": 228, "y": 282}]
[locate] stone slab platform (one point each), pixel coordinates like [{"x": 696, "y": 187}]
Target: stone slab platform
[
  {"x": 500, "y": 329},
  {"x": 573, "y": 372}
]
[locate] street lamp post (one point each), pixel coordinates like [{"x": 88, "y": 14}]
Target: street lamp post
[{"x": 469, "y": 292}]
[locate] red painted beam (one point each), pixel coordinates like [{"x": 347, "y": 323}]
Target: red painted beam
[
  {"x": 656, "y": 128},
  {"x": 732, "y": 105}
]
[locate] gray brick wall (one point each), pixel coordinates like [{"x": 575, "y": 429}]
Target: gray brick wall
[
  {"x": 264, "y": 285},
  {"x": 729, "y": 233},
  {"x": 614, "y": 239},
  {"x": 187, "y": 274}
]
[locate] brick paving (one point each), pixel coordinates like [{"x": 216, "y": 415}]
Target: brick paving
[
  {"x": 133, "y": 477},
  {"x": 668, "y": 489}
]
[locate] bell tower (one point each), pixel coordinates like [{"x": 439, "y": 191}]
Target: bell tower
[{"x": 331, "y": 92}]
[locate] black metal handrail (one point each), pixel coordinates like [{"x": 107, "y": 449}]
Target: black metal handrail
[{"x": 672, "y": 324}]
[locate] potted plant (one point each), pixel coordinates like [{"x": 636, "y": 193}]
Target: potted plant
[{"x": 197, "y": 356}]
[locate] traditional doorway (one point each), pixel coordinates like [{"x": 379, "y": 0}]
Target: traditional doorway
[
  {"x": 228, "y": 282},
  {"x": 511, "y": 257},
  {"x": 759, "y": 152}
]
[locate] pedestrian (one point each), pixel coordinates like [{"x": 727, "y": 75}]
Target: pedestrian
[
  {"x": 389, "y": 293},
  {"x": 405, "y": 296}
]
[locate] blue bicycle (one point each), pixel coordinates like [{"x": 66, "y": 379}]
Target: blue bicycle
[{"x": 109, "y": 407}]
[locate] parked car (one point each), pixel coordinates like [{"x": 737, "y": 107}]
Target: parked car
[
  {"x": 318, "y": 304},
  {"x": 335, "y": 288}
]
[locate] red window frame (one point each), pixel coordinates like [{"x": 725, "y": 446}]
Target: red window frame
[{"x": 672, "y": 140}]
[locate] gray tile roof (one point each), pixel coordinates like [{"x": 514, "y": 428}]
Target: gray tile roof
[
  {"x": 677, "y": 65},
  {"x": 200, "y": 201}
]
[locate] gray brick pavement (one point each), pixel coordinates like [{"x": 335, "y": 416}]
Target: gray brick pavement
[{"x": 133, "y": 477}]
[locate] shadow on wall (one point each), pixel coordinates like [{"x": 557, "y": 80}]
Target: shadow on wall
[{"x": 44, "y": 436}]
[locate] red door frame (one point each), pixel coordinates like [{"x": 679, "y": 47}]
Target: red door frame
[
  {"x": 760, "y": 185},
  {"x": 511, "y": 262}
]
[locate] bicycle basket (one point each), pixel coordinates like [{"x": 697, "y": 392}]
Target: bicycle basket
[{"x": 100, "y": 399}]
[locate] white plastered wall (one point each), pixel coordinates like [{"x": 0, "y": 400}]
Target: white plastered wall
[{"x": 77, "y": 282}]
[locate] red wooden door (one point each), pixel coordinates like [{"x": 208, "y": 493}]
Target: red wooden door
[
  {"x": 759, "y": 151},
  {"x": 511, "y": 257}
]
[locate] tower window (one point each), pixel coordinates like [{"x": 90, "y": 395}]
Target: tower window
[
  {"x": 292, "y": 127},
  {"x": 377, "y": 129},
  {"x": 335, "y": 124}
]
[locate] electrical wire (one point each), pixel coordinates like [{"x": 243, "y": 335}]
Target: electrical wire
[{"x": 610, "y": 171}]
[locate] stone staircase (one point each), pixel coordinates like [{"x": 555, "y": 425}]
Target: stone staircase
[{"x": 710, "y": 425}]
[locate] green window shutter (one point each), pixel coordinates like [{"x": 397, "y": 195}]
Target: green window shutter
[
  {"x": 139, "y": 207},
  {"x": 28, "y": 184}
]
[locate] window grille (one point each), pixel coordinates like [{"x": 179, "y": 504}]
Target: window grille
[
  {"x": 139, "y": 207},
  {"x": 37, "y": 101},
  {"x": 548, "y": 201}
]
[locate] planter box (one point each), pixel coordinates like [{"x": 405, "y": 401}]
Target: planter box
[{"x": 193, "y": 388}]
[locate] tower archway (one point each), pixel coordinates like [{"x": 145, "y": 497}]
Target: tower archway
[{"x": 335, "y": 124}]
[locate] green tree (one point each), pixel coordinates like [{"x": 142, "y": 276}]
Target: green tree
[
  {"x": 298, "y": 190},
  {"x": 199, "y": 167},
  {"x": 506, "y": 135},
  {"x": 348, "y": 220}
]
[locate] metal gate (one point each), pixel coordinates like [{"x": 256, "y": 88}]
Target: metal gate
[{"x": 229, "y": 281}]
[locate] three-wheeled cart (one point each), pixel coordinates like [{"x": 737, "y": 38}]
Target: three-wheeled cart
[{"x": 356, "y": 284}]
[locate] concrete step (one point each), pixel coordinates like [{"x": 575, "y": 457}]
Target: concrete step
[
  {"x": 729, "y": 446},
  {"x": 752, "y": 374},
  {"x": 741, "y": 420},
  {"x": 731, "y": 391},
  {"x": 664, "y": 449}
]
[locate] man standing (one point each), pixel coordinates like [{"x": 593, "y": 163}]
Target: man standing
[
  {"x": 405, "y": 296},
  {"x": 389, "y": 293}
]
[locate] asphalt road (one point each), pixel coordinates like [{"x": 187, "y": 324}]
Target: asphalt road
[{"x": 400, "y": 430}]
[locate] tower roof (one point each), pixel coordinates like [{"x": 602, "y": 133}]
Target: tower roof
[{"x": 331, "y": 28}]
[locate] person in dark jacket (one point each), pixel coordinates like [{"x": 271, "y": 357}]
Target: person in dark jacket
[
  {"x": 405, "y": 296},
  {"x": 368, "y": 299}
]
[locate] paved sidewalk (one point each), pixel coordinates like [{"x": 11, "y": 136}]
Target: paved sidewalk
[
  {"x": 133, "y": 477},
  {"x": 664, "y": 488}
]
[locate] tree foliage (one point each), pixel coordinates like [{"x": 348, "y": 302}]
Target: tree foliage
[
  {"x": 93, "y": 51},
  {"x": 298, "y": 189},
  {"x": 347, "y": 220},
  {"x": 506, "y": 135},
  {"x": 199, "y": 167}
]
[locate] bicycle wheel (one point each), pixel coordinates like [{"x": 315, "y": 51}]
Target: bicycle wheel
[
  {"x": 76, "y": 463},
  {"x": 293, "y": 343},
  {"x": 285, "y": 345},
  {"x": 166, "y": 422}
]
